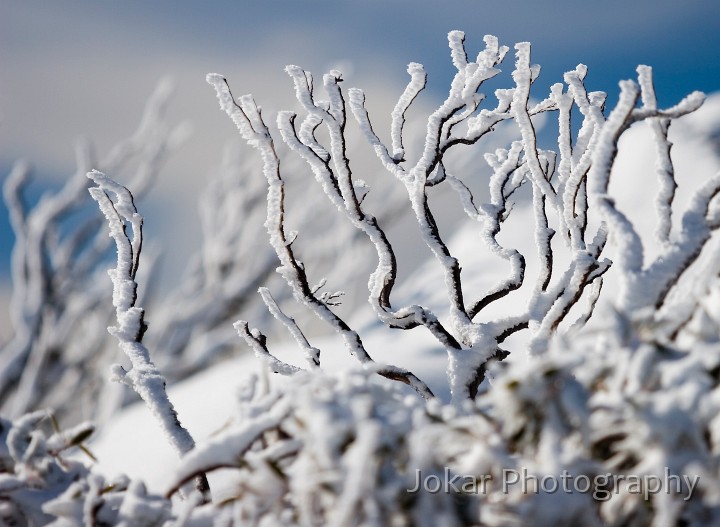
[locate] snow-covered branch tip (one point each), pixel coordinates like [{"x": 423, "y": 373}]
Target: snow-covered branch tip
[{"x": 143, "y": 377}]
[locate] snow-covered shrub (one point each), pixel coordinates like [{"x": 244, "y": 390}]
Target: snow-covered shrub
[
  {"x": 630, "y": 400},
  {"x": 615, "y": 424},
  {"x": 569, "y": 192}
]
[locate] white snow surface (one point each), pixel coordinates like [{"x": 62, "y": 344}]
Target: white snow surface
[{"x": 133, "y": 443}]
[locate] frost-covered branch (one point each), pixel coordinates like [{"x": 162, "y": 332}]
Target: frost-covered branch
[
  {"x": 249, "y": 122},
  {"x": 143, "y": 377},
  {"x": 647, "y": 284}
]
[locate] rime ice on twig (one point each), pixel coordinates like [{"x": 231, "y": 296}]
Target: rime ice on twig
[
  {"x": 312, "y": 354},
  {"x": 143, "y": 377}
]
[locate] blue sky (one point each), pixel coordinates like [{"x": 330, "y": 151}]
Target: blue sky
[{"x": 71, "y": 68}]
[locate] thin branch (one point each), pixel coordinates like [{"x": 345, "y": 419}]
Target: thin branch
[{"x": 144, "y": 377}]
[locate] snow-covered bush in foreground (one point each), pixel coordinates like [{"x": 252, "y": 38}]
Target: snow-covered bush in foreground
[
  {"x": 614, "y": 425},
  {"x": 344, "y": 450},
  {"x": 618, "y": 430},
  {"x": 39, "y": 486}
]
